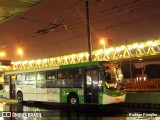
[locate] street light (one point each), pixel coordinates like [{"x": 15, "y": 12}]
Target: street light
[
  {"x": 2, "y": 54},
  {"x": 102, "y": 41},
  {"x": 20, "y": 51}
]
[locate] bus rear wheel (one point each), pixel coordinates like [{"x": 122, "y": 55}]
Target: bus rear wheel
[
  {"x": 20, "y": 97},
  {"x": 73, "y": 100}
]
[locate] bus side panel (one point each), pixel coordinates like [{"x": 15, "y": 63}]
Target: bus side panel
[
  {"x": 41, "y": 94},
  {"x": 64, "y": 92},
  {"x": 28, "y": 91},
  {"x": 100, "y": 98},
  {"x": 48, "y": 94}
]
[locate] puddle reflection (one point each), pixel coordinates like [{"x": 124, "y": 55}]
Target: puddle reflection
[
  {"x": 30, "y": 112},
  {"x": 50, "y": 112}
]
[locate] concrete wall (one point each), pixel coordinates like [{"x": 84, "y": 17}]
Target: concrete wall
[{"x": 143, "y": 97}]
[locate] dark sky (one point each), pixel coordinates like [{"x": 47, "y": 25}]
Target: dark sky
[{"x": 124, "y": 21}]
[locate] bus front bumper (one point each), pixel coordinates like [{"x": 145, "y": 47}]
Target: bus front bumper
[{"x": 107, "y": 99}]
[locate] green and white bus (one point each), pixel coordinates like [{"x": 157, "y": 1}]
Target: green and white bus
[{"x": 99, "y": 82}]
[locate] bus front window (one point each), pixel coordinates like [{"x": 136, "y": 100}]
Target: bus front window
[
  {"x": 119, "y": 75},
  {"x": 113, "y": 78}
]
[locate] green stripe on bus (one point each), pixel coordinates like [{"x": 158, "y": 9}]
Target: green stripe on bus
[{"x": 86, "y": 64}]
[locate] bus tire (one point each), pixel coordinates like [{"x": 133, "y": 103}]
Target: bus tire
[
  {"x": 20, "y": 97},
  {"x": 73, "y": 100}
]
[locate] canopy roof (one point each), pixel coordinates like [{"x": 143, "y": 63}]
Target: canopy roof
[{"x": 11, "y": 8}]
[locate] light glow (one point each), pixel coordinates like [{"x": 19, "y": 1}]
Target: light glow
[
  {"x": 102, "y": 41},
  {"x": 20, "y": 51},
  {"x": 2, "y": 54}
]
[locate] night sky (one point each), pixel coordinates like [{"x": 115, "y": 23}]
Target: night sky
[{"x": 124, "y": 21}]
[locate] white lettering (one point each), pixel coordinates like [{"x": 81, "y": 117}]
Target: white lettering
[
  {"x": 25, "y": 115},
  {"x": 14, "y": 114},
  {"x": 143, "y": 115},
  {"x": 135, "y": 115},
  {"x": 151, "y": 115}
]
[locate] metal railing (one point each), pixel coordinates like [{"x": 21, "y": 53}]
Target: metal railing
[{"x": 131, "y": 51}]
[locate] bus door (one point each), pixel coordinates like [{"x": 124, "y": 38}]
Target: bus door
[
  {"x": 12, "y": 86},
  {"x": 91, "y": 76}
]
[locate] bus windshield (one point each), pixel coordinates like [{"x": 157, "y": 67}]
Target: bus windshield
[{"x": 113, "y": 77}]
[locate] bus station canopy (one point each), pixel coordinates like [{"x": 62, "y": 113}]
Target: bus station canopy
[{"x": 11, "y": 8}]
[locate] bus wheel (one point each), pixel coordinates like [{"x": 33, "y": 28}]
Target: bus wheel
[
  {"x": 73, "y": 100},
  {"x": 20, "y": 97}
]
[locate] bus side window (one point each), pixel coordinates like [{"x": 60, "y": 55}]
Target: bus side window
[
  {"x": 21, "y": 79},
  {"x": 75, "y": 77},
  {"x": 41, "y": 79},
  {"x": 100, "y": 85},
  {"x": 51, "y": 79},
  {"x": 63, "y": 78},
  {"x": 31, "y": 78}
]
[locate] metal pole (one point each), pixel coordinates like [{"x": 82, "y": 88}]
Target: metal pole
[{"x": 88, "y": 33}]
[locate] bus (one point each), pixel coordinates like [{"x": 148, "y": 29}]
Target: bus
[{"x": 98, "y": 82}]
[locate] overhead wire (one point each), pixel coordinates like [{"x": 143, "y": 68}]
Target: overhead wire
[
  {"x": 126, "y": 14},
  {"x": 48, "y": 23},
  {"x": 132, "y": 11},
  {"x": 136, "y": 1},
  {"x": 120, "y": 6},
  {"x": 61, "y": 16},
  {"x": 128, "y": 9},
  {"x": 133, "y": 21},
  {"x": 129, "y": 22},
  {"x": 114, "y": 12},
  {"x": 75, "y": 4},
  {"x": 111, "y": 9},
  {"x": 115, "y": 17},
  {"x": 37, "y": 21}
]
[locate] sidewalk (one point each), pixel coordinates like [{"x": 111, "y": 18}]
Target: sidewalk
[{"x": 7, "y": 100}]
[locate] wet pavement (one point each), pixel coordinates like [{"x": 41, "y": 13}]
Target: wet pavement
[{"x": 41, "y": 111}]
